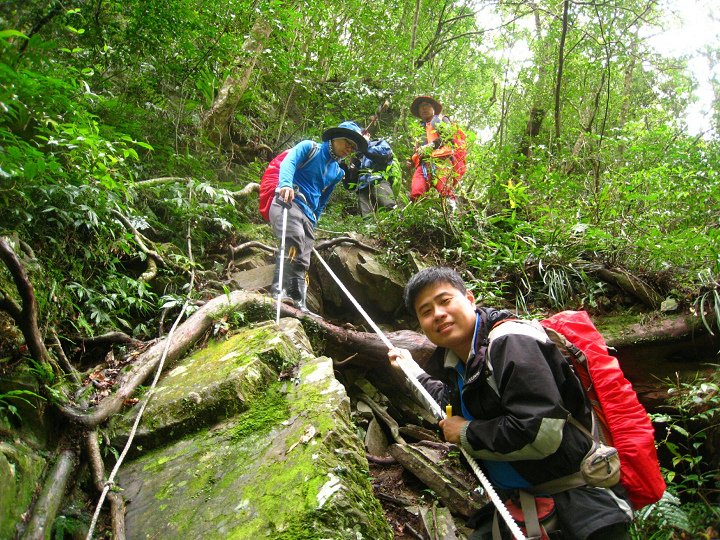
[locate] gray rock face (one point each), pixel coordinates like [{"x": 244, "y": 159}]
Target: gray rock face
[
  {"x": 285, "y": 464},
  {"x": 377, "y": 289}
]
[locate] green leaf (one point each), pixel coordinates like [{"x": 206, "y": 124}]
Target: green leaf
[{"x": 12, "y": 33}]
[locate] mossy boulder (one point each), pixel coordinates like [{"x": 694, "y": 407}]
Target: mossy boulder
[
  {"x": 289, "y": 467},
  {"x": 212, "y": 384},
  {"x": 23, "y": 410},
  {"x": 21, "y": 469}
]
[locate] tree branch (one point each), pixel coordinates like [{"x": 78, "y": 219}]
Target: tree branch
[
  {"x": 344, "y": 240},
  {"x": 161, "y": 180},
  {"x": 139, "y": 238},
  {"x": 69, "y": 368},
  {"x": 27, "y": 316},
  {"x": 234, "y": 250}
]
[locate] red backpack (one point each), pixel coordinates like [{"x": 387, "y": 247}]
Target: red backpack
[
  {"x": 271, "y": 176},
  {"x": 624, "y": 421}
]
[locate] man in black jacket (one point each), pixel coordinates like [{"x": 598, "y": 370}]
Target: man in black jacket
[{"x": 513, "y": 399}]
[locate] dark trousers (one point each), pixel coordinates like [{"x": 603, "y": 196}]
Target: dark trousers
[{"x": 374, "y": 196}]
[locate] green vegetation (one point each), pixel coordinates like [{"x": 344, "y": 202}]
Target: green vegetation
[{"x": 691, "y": 432}]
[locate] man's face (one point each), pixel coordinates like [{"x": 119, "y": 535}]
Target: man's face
[
  {"x": 343, "y": 147},
  {"x": 426, "y": 111},
  {"x": 447, "y": 316}
]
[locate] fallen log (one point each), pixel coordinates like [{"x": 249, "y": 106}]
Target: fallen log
[{"x": 456, "y": 495}]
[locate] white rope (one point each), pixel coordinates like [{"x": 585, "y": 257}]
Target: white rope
[
  {"x": 436, "y": 410},
  {"x": 146, "y": 399}
]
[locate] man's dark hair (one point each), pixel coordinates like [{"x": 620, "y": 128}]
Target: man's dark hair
[{"x": 430, "y": 276}]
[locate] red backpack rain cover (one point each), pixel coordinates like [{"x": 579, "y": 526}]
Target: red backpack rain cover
[
  {"x": 617, "y": 407},
  {"x": 268, "y": 183}
]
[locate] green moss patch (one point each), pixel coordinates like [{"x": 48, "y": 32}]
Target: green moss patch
[
  {"x": 21, "y": 469},
  {"x": 211, "y": 385},
  {"x": 265, "y": 414},
  {"x": 289, "y": 467}
]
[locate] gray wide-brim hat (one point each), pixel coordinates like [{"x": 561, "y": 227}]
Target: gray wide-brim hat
[
  {"x": 415, "y": 107},
  {"x": 347, "y": 130}
]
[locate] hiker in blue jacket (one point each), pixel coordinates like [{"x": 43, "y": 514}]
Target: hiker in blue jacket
[
  {"x": 513, "y": 403},
  {"x": 307, "y": 177},
  {"x": 368, "y": 174}
]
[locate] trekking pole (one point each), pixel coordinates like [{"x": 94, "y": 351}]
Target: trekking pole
[
  {"x": 375, "y": 116},
  {"x": 427, "y": 400},
  {"x": 282, "y": 257}
]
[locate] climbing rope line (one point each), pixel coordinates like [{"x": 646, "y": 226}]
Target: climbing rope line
[{"x": 168, "y": 340}]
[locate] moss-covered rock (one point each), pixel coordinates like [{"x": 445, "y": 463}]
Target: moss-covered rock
[
  {"x": 23, "y": 410},
  {"x": 210, "y": 385},
  {"x": 289, "y": 467},
  {"x": 21, "y": 468}
]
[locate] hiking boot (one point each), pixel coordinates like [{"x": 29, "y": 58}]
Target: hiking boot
[{"x": 297, "y": 290}]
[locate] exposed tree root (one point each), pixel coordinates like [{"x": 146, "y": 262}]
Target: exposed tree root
[
  {"x": 252, "y": 187},
  {"x": 51, "y": 496},
  {"x": 117, "y": 503},
  {"x": 186, "y": 335}
]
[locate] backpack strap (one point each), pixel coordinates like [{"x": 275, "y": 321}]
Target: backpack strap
[
  {"x": 311, "y": 154},
  {"x": 530, "y": 515},
  {"x": 533, "y": 328}
]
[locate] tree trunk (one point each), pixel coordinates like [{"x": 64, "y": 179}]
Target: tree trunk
[
  {"x": 561, "y": 63},
  {"x": 631, "y": 285},
  {"x": 218, "y": 119}
]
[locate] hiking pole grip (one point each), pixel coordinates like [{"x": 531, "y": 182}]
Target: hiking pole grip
[{"x": 282, "y": 202}]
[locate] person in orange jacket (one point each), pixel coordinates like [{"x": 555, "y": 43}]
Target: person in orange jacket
[{"x": 433, "y": 158}]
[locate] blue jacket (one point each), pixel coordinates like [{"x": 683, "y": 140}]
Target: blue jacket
[
  {"x": 374, "y": 162},
  {"x": 314, "y": 181}
]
